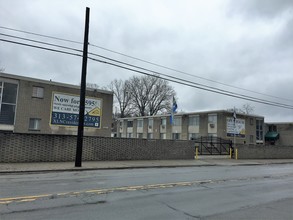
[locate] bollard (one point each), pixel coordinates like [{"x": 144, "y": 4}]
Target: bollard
[
  {"x": 196, "y": 153},
  {"x": 230, "y": 155},
  {"x": 236, "y": 154}
]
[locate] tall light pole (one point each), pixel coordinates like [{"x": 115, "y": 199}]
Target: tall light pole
[{"x": 78, "y": 156}]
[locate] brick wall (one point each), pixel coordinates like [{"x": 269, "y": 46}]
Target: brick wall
[
  {"x": 49, "y": 148},
  {"x": 264, "y": 152}
]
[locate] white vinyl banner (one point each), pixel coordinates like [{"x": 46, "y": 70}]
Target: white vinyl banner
[
  {"x": 237, "y": 128},
  {"x": 65, "y": 110}
]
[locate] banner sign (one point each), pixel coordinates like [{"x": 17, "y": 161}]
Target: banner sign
[
  {"x": 65, "y": 110},
  {"x": 238, "y": 129}
]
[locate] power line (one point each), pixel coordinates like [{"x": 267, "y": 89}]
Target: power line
[
  {"x": 40, "y": 35},
  {"x": 145, "y": 61},
  {"x": 43, "y": 48},
  {"x": 198, "y": 87},
  {"x": 173, "y": 79},
  {"x": 41, "y": 42},
  {"x": 187, "y": 81}
]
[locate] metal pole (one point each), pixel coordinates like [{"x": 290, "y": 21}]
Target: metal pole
[
  {"x": 234, "y": 134},
  {"x": 78, "y": 156}
]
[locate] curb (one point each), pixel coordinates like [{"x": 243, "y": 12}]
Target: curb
[{"x": 133, "y": 167}]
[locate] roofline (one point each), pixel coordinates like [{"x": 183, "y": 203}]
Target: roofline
[
  {"x": 278, "y": 123},
  {"x": 17, "y": 77},
  {"x": 190, "y": 113}
]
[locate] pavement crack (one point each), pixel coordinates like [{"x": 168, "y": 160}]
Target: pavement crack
[{"x": 178, "y": 210}]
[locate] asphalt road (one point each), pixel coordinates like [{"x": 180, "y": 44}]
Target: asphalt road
[{"x": 214, "y": 192}]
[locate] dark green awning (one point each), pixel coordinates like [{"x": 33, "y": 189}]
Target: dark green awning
[{"x": 272, "y": 136}]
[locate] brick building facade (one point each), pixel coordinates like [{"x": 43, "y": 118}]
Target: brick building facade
[
  {"x": 29, "y": 105},
  {"x": 249, "y": 129}
]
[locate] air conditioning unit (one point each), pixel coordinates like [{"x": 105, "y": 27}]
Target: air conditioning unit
[
  {"x": 150, "y": 127},
  {"x": 212, "y": 125},
  {"x": 163, "y": 126}
]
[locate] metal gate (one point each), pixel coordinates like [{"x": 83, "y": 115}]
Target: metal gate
[{"x": 213, "y": 146}]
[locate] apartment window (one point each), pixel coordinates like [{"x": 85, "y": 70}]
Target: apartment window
[
  {"x": 150, "y": 135},
  {"x": 177, "y": 121},
  {"x": 273, "y": 128},
  {"x": 35, "y": 124},
  {"x": 163, "y": 121},
  {"x": 193, "y": 120},
  {"x": 150, "y": 123},
  {"x": 192, "y": 136},
  {"x": 129, "y": 124},
  {"x": 139, "y": 135},
  {"x": 212, "y": 119},
  {"x": 251, "y": 139},
  {"x": 8, "y": 95},
  {"x": 129, "y": 135},
  {"x": 38, "y": 92},
  {"x": 140, "y": 123},
  {"x": 163, "y": 136},
  {"x": 259, "y": 130},
  {"x": 176, "y": 136},
  {"x": 212, "y": 135}
]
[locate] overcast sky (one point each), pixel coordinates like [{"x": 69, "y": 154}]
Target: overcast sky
[{"x": 245, "y": 44}]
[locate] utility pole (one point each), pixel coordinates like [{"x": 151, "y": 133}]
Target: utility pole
[{"x": 78, "y": 156}]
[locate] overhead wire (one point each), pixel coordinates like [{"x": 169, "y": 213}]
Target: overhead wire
[
  {"x": 174, "y": 79},
  {"x": 145, "y": 61}
]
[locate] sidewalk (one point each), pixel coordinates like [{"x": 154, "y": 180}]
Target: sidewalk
[{"x": 6, "y": 168}]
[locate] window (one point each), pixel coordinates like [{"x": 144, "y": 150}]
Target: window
[
  {"x": 139, "y": 135},
  {"x": 129, "y": 135},
  {"x": 259, "y": 130},
  {"x": 150, "y": 123},
  {"x": 212, "y": 119},
  {"x": 212, "y": 135},
  {"x": 176, "y": 136},
  {"x": 163, "y": 121},
  {"x": 192, "y": 136},
  {"x": 150, "y": 135},
  {"x": 38, "y": 92},
  {"x": 35, "y": 124},
  {"x": 129, "y": 124},
  {"x": 177, "y": 121},
  {"x": 273, "y": 128},
  {"x": 163, "y": 136},
  {"x": 8, "y": 96},
  {"x": 7, "y": 114},
  {"x": 140, "y": 123},
  {"x": 251, "y": 139},
  {"x": 193, "y": 120}
]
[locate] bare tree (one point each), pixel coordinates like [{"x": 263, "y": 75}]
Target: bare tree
[
  {"x": 160, "y": 98},
  {"x": 245, "y": 109},
  {"x": 143, "y": 95},
  {"x": 122, "y": 97},
  {"x": 2, "y": 69}
]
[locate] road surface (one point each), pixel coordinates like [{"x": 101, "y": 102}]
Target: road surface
[{"x": 212, "y": 192}]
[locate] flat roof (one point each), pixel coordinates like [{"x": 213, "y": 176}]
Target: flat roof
[
  {"x": 192, "y": 113},
  {"x": 50, "y": 82}
]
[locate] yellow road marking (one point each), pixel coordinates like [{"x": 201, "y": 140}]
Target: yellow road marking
[
  {"x": 101, "y": 191},
  {"x": 25, "y": 197}
]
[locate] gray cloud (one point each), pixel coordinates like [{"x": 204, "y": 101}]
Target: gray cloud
[{"x": 246, "y": 44}]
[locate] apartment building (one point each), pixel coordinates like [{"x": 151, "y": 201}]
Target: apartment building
[
  {"x": 29, "y": 105},
  {"x": 247, "y": 129}
]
